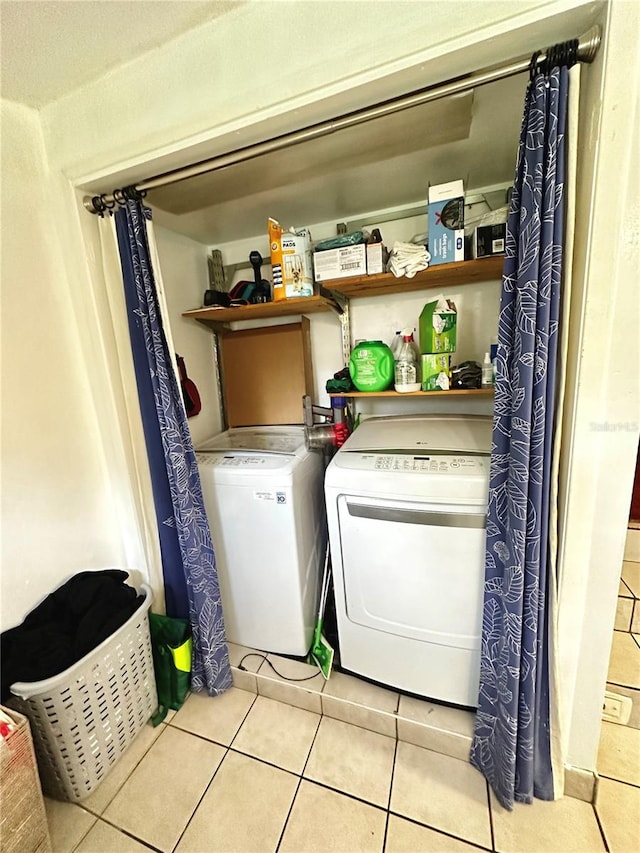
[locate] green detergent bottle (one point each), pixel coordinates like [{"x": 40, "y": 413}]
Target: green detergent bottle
[{"x": 371, "y": 366}]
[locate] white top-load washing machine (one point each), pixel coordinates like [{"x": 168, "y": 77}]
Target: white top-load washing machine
[
  {"x": 406, "y": 504},
  {"x": 263, "y": 496}
]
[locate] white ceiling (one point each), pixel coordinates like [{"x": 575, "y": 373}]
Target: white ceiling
[
  {"x": 381, "y": 164},
  {"x": 51, "y": 47}
]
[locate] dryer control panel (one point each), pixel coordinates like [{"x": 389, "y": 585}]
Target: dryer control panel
[{"x": 410, "y": 463}]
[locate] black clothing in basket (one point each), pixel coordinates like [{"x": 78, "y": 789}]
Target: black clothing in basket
[{"x": 67, "y": 625}]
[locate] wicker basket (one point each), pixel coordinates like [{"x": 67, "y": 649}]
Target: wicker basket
[
  {"x": 83, "y": 719},
  {"x": 23, "y": 822}
]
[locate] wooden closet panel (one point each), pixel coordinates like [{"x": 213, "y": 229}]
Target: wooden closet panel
[{"x": 265, "y": 374}]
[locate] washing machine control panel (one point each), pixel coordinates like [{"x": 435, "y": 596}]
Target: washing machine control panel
[
  {"x": 410, "y": 463},
  {"x": 231, "y": 461},
  {"x": 244, "y": 462}
]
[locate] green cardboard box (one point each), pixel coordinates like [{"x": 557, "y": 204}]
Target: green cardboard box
[
  {"x": 438, "y": 323},
  {"x": 436, "y": 372}
]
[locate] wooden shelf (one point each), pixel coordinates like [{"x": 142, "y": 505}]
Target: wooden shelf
[
  {"x": 443, "y": 275},
  {"x": 440, "y": 276},
  {"x": 221, "y": 317},
  {"x": 454, "y": 392}
]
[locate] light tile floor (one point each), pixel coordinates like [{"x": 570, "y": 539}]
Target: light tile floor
[{"x": 247, "y": 773}]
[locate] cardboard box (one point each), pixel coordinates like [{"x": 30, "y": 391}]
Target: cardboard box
[
  {"x": 375, "y": 258},
  {"x": 489, "y": 240},
  {"x": 436, "y": 372},
  {"x": 446, "y": 223},
  {"x": 340, "y": 263},
  {"x": 290, "y": 262},
  {"x": 438, "y": 326}
]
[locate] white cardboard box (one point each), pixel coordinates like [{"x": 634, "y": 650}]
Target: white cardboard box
[
  {"x": 374, "y": 258},
  {"x": 340, "y": 263}
]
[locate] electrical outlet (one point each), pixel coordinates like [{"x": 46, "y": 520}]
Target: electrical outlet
[{"x": 616, "y": 708}]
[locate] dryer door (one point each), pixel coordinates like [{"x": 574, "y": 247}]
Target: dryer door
[{"x": 414, "y": 569}]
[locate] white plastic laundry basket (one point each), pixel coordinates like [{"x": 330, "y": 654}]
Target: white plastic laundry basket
[{"x": 83, "y": 719}]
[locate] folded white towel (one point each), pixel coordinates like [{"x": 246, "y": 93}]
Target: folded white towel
[
  {"x": 407, "y": 259},
  {"x": 403, "y": 248}
]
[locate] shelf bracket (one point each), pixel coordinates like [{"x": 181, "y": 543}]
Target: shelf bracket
[
  {"x": 217, "y": 328},
  {"x": 340, "y": 304},
  {"x": 336, "y": 301},
  {"x": 345, "y": 330}
]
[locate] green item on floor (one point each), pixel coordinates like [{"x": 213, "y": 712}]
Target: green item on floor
[
  {"x": 321, "y": 651},
  {"x": 171, "y": 646}
]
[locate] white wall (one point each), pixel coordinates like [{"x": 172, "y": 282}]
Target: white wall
[
  {"x": 56, "y": 513},
  {"x": 210, "y": 89},
  {"x": 184, "y": 272}
]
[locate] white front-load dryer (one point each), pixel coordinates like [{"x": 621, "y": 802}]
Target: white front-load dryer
[
  {"x": 406, "y": 504},
  {"x": 263, "y": 497}
]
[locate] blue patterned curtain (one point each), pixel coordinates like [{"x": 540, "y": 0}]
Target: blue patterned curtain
[
  {"x": 188, "y": 559},
  {"x": 511, "y": 744}
]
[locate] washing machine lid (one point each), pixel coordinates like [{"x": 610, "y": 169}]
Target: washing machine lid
[
  {"x": 462, "y": 434},
  {"x": 279, "y": 440}
]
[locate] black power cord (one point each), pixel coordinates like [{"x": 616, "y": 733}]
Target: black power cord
[{"x": 279, "y": 674}]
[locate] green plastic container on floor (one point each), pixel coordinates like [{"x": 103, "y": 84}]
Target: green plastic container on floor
[{"x": 371, "y": 366}]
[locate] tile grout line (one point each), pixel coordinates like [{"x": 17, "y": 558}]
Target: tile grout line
[
  {"x": 443, "y": 832},
  {"x": 237, "y": 751},
  {"x": 244, "y": 720},
  {"x": 600, "y": 827},
  {"x": 623, "y": 594},
  {"x": 300, "y": 778},
  {"x": 339, "y": 791},
  {"x": 129, "y": 775},
  {"x": 621, "y": 781},
  {"x": 129, "y": 834},
  {"x": 345, "y": 794},
  {"x": 626, "y": 686},
  {"x": 323, "y": 785},
  {"x": 211, "y": 740},
  {"x": 84, "y": 835},
  {"x": 386, "y": 830},
  {"x": 393, "y": 770},
  {"x": 196, "y": 734},
  {"x": 286, "y": 820},
  {"x": 227, "y": 749},
  {"x": 197, "y": 805},
  {"x": 99, "y": 816}
]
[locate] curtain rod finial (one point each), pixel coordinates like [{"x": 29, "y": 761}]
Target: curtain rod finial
[
  {"x": 589, "y": 44},
  {"x": 87, "y": 201}
]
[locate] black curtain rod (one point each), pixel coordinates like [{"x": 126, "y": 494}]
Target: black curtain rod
[{"x": 582, "y": 50}]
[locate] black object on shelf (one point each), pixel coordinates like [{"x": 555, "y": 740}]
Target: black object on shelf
[
  {"x": 262, "y": 290},
  {"x": 216, "y": 297},
  {"x": 467, "y": 374}
]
